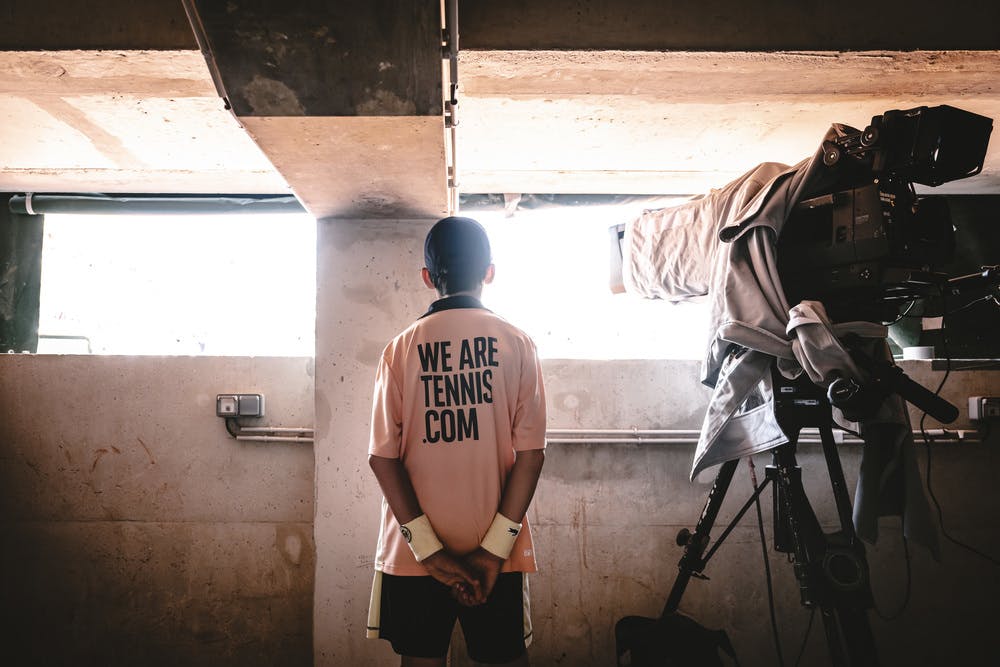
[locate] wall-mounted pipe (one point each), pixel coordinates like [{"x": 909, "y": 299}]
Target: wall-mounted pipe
[
  {"x": 140, "y": 204},
  {"x": 267, "y": 433},
  {"x": 274, "y": 438},
  {"x": 451, "y": 47},
  {"x": 615, "y": 436},
  {"x": 450, "y": 52},
  {"x": 690, "y": 437},
  {"x": 275, "y": 429}
]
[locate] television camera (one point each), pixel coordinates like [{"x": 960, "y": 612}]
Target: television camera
[
  {"x": 869, "y": 244},
  {"x": 858, "y": 239}
]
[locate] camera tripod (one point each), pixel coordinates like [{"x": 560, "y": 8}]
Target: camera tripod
[{"x": 831, "y": 568}]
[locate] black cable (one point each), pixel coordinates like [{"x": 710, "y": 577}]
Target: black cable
[
  {"x": 937, "y": 505},
  {"x": 904, "y": 314},
  {"x": 805, "y": 637},
  {"x": 232, "y": 427},
  {"x": 767, "y": 566},
  {"x": 909, "y": 587},
  {"x": 927, "y": 443}
]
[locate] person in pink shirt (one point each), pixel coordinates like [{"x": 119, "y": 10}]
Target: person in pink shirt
[{"x": 457, "y": 446}]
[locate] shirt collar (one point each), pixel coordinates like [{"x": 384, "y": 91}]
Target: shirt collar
[{"x": 457, "y": 301}]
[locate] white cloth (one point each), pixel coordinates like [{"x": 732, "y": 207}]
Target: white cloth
[{"x": 723, "y": 245}]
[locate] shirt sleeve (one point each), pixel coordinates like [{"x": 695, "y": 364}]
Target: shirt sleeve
[
  {"x": 387, "y": 423},
  {"x": 529, "y": 417}
]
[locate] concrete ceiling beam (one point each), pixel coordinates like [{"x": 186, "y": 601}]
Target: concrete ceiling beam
[
  {"x": 633, "y": 122},
  {"x": 345, "y": 99},
  {"x": 132, "y": 25},
  {"x": 122, "y": 121},
  {"x": 707, "y": 25},
  {"x": 730, "y": 25}
]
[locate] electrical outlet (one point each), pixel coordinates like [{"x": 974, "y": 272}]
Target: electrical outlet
[
  {"x": 239, "y": 405},
  {"x": 227, "y": 405},
  {"x": 984, "y": 407}
]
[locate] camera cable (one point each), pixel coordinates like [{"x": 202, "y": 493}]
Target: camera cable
[
  {"x": 903, "y": 315},
  {"x": 928, "y": 440}
]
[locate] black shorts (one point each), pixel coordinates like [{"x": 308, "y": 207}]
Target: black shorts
[{"x": 418, "y": 614}]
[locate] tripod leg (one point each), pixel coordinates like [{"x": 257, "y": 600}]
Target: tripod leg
[
  {"x": 858, "y": 637},
  {"x": 797, "y": 530},
  {"x": 852, "y": 586},
  {"x": 849, "y": 637},
  {"x": 836, "y": 472},
  {"x": 834, "y": 641},
  {"x": 695, "y": 544},
  {"x": 831, "y": 568}
]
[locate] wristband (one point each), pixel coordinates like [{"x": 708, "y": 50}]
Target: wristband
[
  {"x": 499, "y": 539},
  {"x": 420, "y": 536}
]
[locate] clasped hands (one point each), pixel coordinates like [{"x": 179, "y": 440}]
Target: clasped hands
[{"x": 471, "y": 577}]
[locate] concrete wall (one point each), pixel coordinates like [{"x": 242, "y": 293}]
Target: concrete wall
[
  {"x": 606, "y": 515},
  {"x": 135, "y": 531}
]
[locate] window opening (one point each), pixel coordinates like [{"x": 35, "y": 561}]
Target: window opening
[
  {"x": 228, "y": 285},
  {"x": 552, "y": 280}
]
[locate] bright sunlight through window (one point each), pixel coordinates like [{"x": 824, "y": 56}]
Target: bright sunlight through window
[
  {"x": 244, "y": 285},
  {"x": 552, "y": 280},
  {"x": 229, "y": 285}
]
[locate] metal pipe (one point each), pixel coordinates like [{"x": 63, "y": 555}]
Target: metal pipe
[
  {"x": 450, "y": 52},
  {"x": 570, "y": 436},
  {"x": 275, "y": 429},
  {"x": 690, "y": 437},
  {"x": 623, "y": 431},
  {"x": 451, "y": 32},
  {"x": 637, "y": 441},
  {"x": 272, "y": 438},
  {"x": 152, "y": 204}
]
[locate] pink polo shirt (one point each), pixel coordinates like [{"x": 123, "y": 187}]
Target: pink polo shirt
[{"x": 457, "y": 394}]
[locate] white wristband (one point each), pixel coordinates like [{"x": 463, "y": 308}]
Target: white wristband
[
  {"x": 499, "y": 539},
  {"x": 420, "y": 535}
]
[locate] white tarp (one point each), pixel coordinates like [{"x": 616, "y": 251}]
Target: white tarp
[{"x": 723, "y": 246}]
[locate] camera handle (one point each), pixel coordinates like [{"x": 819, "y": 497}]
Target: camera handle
[{"x": 859, "y": 401}]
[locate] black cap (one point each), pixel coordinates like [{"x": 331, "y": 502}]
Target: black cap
[{"x": 457, "y": 246}]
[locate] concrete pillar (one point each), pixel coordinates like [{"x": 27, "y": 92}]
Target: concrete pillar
[
  {"x": 368, "y": 289},
  {"x": 345, "y": 99},
  {"x": 20, "y": 278}
]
